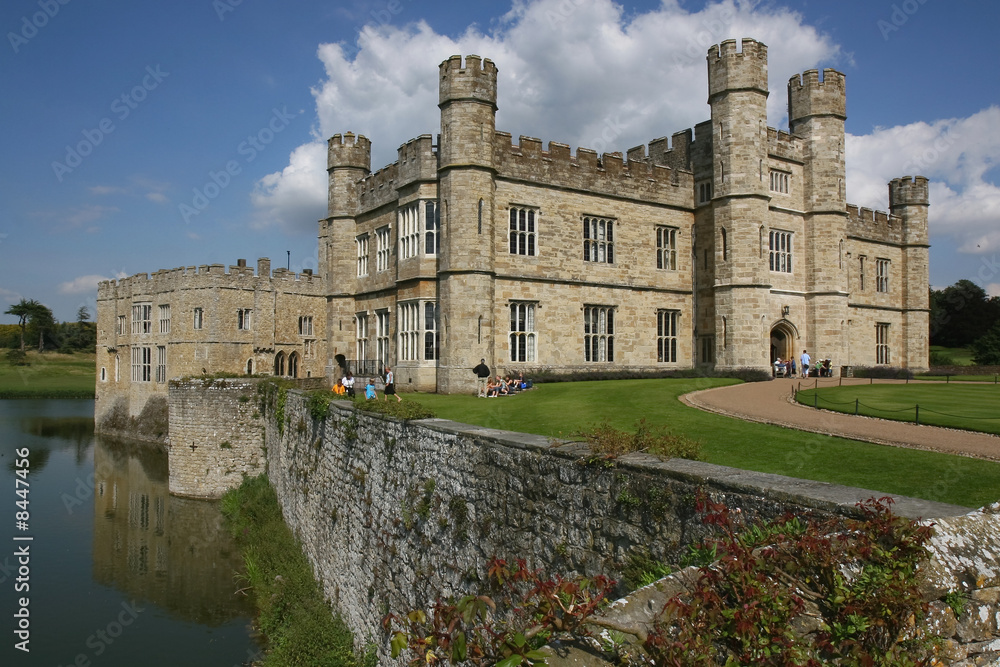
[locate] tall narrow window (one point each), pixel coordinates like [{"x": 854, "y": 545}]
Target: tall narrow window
[
  {"x": 780, "y": 247},
  {"x": 707, "y": 349},
  {"x": 598, "y": 240},
  {"x": 362, "y": 244},
  {"x": 161, "y": 363},
  {"x": 666, "y": 248},
  {"x": 142, "y": 361},
  {"x": 122, "y": 324},
  {"x": 725, "y": 245},
  {"x": 165, "y": 318},
  {"x": 480, "y": 217},
  {"x": 779, "y": 181},
  {"x": 305, "y": 325},
  {"x": 599, "y": 333},
  {"x": 431, "y": 223},
  {"x": 199, "y": 318},
  {"x": 382, "y": 336},
  {"x": 362, "y": 336},
  {"x": 882, "y": 343},
  {"x": 861, "y": 273},
  {"x": 522, "y": 331},
  {"x": 522, "y": 231},
  {"x": 430, "y": 330},
  {"x": 142, "y": 318},
  {"x": 382, "y": 247},
  {"x": 666, "y": 335},
  {"x": 882, "y": 275},
  {"x": 243, "y": 318},
  {"x": 409, "y": 231},
  {"x": 408, "y": 324},
  {"x": 704, "y": 192}
]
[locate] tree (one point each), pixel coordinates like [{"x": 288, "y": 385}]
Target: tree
[
  {"x": 961, "y": 314},
  {"x": 42, "y": 322},
  {"x": 24, "y": 310},
  {"x": 986, "y": 350}
]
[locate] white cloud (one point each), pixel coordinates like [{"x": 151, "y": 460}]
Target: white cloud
[
  {"x": 82, "y": 284},
  {"x": 551, "y": 56},
  {"x": 157, "y": 197},
  {"x": 9, "y": 296},
  {"x": 955, "y": 154}
]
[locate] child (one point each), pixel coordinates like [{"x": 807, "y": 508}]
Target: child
[
  {"x": 370, "y": 390},
  {"x": 339, "y": 389}
]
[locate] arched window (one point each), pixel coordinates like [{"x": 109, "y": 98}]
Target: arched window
[
  {"x": 249, "y": 366},
  {"x": 725, "y": 249},
  {"x": 293, "y": 365},
  {"x": 279, "y": 364},
  {"x": 480, "y": 216}
]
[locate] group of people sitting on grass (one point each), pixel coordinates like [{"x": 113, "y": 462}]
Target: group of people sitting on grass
[
  {"x": 506, "y": 386},
  {"x": 345, "y": 386}
]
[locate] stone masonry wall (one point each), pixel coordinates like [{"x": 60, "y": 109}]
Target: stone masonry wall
[
  {"x": 216, "y": 436},
  {"x": 392, "y": 514}
]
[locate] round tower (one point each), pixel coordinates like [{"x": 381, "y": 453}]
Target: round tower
[
  {"x": 466, "y": 173},
  {"x": 909, "y": 199},
  {"x": 737, "y": 94}
]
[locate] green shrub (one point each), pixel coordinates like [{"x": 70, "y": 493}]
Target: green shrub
[
  {"x": 883, "y": 372},
  {"x": 319, "y": 403},
  {"x": 610, "y": 442},
  {"x": 405, "y": 409}
]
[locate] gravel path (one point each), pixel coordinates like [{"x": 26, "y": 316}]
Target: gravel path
[{"x": 771, "y": 403}]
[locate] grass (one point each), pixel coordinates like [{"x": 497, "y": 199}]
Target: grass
[
  {"x": 973, "y": 407},
  {"x": 292, "y": 614},
  {"x": 565, "y": 409},
  {"x": 49, "y": 375},
  {"x": 959, "y": 356},
  {"x": 992, "y": 379}
]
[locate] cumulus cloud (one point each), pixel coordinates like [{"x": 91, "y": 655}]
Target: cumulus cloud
[
  {"x": 551, "y": 54},
  {"x": 81, "y": 284},
  {"x": 956, "y": 154}
]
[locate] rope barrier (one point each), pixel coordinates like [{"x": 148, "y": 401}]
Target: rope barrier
[{"x": 858, "y": 404}]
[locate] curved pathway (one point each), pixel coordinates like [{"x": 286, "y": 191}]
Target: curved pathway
[{"x": 771, "y": 403}]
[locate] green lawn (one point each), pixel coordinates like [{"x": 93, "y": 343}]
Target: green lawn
[
  {"x": 974, "y": 407},
  {"x": 960, "y": 356},
  {"x": 49, "y": 375},
  {"x": 561, "y": 409}
]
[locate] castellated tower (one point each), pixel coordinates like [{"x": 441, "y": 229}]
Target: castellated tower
[
  {"x": 466, "y": 171},
  {"x": 737, "y": 94},
  {"x": 817, "y": 110},
  {"x": 908, "y": 199},
  {"x": 348, "y": 161}
]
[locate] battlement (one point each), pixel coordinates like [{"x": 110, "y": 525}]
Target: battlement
[
  {"x": 874, "y": 225},
  {"x": 207, "y": 275},
  {"x": 729, "y": 69},
  {"x": 476, "y": 80},
  {"x": 810, "y": 96},
  {"x": 610, "y": 173},
  {"x": 784, "y": 145},
  {"x": 908, "y": 191},
  {"x": 378, "y": 188},
  {"x": 349, "y": 150}
]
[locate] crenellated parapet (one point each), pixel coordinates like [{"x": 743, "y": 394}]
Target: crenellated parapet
[
  {"x": 729, "y": 69},
  {"x": 417, "y": 161},
  {"x": 872, "y": 225},
  {"x": 908, "y": 191},
  {"x": 784, "y": 145},
  {"x": 378, "y": 188},
  {"x": 810, "y": 96},
  {"x": 473, "y": 80},
  {"x": 349, "y": 151},
  {"x": 608, "y": 174}
]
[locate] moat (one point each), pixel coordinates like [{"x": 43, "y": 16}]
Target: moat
[{"x": 120, "y": 572}]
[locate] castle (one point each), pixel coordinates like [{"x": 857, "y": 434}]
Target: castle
[{"x": 726, "y": 246}]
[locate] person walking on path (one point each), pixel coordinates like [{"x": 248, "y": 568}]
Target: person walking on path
[
  {"x": 805, "y": 363},
  {"x": 482, "y": 372},
  {"x": 390, "y": 385}
]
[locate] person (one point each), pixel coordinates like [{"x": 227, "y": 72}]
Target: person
[
  {"x": 370, "y": 394},
  {"x": 805, "y": 363},
  {"x": 791, "y": 362},
  {"x": 339, "y": 389},
  {"x": 349, "y": 384},
  {"x": 779, "y": 367},
  {"x": 491, "y": 388},
  {"x": 390, "y": 385},
  {"x": 482, "y": 372}
]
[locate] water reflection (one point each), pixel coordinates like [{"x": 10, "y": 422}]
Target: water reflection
[{"x": 173, "y": 552}]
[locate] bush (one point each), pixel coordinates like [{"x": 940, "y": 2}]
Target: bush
[
  {"x": 744, "y": 374},
  {"x": 17, "y": 357},
  {"x": 610, "y": 442},
  {"x": 986, "y": 350},
  {"x": 405, "y": 409},
  {"x": 883, "y": 372}
]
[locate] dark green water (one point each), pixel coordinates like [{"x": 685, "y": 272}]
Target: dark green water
[{"x": 119, "y": 572}]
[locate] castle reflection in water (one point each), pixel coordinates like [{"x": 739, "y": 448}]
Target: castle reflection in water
[{"x": 173, "y": 552}]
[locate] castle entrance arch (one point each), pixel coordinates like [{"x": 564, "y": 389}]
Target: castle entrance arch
[{"x": 783, "y": 336}]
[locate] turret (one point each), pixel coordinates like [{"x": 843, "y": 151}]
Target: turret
[
  {"x": 468, "y": 102},
  {"x": 348, "y": 160},
  {"x": 909, "y": 199},
  {"x": 817, "y": 110}
]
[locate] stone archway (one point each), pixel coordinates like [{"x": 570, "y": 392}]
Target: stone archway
[{"x": 782, "y": 341}]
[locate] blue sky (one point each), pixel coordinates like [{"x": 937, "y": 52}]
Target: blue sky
[{"x": 149, "y": 135}]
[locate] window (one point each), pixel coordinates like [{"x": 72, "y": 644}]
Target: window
[
  {"x": 599, "y": 333},
  {"x": 305, "y": 325},
  {"x": 780, "y": 246},
  {"x": 707, "y": 349},
  {"x": 704, "y": 192},
  {"x": 122, "y": 324},
  {"x": 724, "y": 241},
  {"x": 881, "y": 343},
  {"x": 161, "y": 363},
  {"x": 408, "y": 323},
  {"x": 522, "y": 231},
  {"x": 430, "y": 330},
  {"x": 142, "y": 318},
  {"x": 362, "y": 244},
  {"x": 598, "y": 240},
  {"x": 199, "y": 318},
  {"x": 861, "y": 273},
  {"x": 881, "y": 275},
  {"x": 666, "y": 248},
  {"x": 779, "y": 181},
  {"x": 666, "y": 335},
  {"x": 362, "y": 335},
  {"x": 382, "y": 248},
  {"x": 142, "y": 359},
  {"x": 165, "y": 318},
  {"x": 409, "y": 231},
  {"x": 104, "y": 374},
  {"x": 431, "y": 221},
  {"x": 243, "y": 318},
  {"x": 522, "y": 332},
  {"x": 382, "y": 336}
]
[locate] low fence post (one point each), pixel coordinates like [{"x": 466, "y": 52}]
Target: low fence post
[
  {"x": 916, "y": 415},
  {"x": 815, "y": 399},
  {"x": 855, "y": 406}
]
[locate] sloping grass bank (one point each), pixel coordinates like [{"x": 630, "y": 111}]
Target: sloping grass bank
[
  {"x": 564, "y": 409},
  {"x": 298, "y": 624},
  {"x": 49, "y": 375}
]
